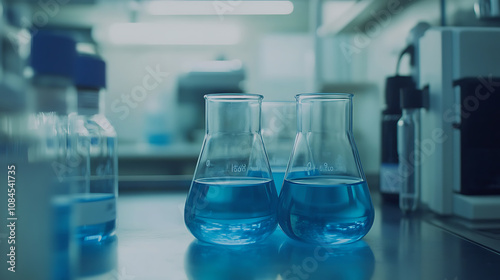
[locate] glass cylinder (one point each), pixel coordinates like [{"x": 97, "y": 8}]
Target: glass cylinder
[
  {"x": 95, "y": 206},
  {"x": 409, "y": 166},
  {"x": 325, "y": 198},
  {"x": 232, "y": 199}
]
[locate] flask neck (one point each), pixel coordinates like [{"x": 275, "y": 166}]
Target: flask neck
[
  {"x": 233, "y": 113},
  {"x": 330, "y": 113}
]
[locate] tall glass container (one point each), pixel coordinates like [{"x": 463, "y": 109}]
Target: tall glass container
[
  {"x": 408, "y": 138},
  {"x": 95, "y": 206},
  {"x": 34, "y": 133},
  {"x": 325, "y": 198},
  {"x": 232, "y": 199}
]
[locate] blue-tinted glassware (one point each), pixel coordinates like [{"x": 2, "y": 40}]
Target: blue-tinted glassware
[
  {"x": 232, "y": 199},
  {"x": 95, "y": 205},
  {"x": 325, "y": 199}
]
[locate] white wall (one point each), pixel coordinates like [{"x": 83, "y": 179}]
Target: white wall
[{"x": 127, "y": 67}]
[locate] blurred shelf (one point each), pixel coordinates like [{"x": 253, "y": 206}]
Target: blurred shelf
[
  {"x": 145, "y": 151},
  {"x": 146, "y": 166},
  {"x": 334, "y": 26},
  {"x": 360, "y": 14},
  {"x": 154, "y": 182},
  {"x": 348, "y": 87}
]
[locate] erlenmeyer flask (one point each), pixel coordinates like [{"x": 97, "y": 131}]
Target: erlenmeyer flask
[
  {"x": 232, "y": 199},
  {"x": 325, "y": 198}
]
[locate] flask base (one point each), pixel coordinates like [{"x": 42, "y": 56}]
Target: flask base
[
  {"x": 325, "y": 210},
  {"x": 232, "y": 232}
]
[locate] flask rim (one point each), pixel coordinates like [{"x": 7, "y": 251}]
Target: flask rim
[
  {"x": 233, "y": 97},
  {"x": 278, "y": 102},
  {"x": 323, "y": 96}
]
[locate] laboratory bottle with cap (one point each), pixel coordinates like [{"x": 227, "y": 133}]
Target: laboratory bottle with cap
[
  {"x": 28, "y": 183},
  {"x": 95, "y": 206},
  {"x": 409, "y": 154},
  {"x": 66, "y": 162}
]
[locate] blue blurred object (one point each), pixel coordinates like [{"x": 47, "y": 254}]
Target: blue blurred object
[
  {"x": 90, "y": 72},
  {"x": 96, "y": 205},
  {"x": 53, "y": 54}
]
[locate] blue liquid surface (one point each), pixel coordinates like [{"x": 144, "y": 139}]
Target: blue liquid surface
[
  {"x": 278, "y": 176},
  {"x": 231, "y": 210},
  {"x": 325, "y": 210}
]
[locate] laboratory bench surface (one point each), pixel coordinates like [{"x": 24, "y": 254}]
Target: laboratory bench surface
[{"x": 153, "y": 243}]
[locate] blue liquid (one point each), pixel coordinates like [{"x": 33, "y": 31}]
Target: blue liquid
[
  {"x": 96, "y": 233},
  {"x": 98, "y": 256},
  {"x": 96, "y": 226},
  {"x": 278, "y": 177},
  {"x": 61, "y": 215},
  {"x": 231, "y": 210},
  {"x": 325, "y": 210}
]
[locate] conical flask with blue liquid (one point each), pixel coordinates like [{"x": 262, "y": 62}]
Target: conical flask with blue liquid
[
  {"x": 325, "y": 198},
  {"x": 232, "y": 199}
]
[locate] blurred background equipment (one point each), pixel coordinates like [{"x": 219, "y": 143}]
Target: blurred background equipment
[
  {"x": 460, "y": 172},
  {"x": 205, "y": 77},
  {"x": 390, "y": 178},
  {"x": 487, "y": 9}
]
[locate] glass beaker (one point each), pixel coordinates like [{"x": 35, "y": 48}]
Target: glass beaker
[
  {"x": 325, "y": 198},
  {"x": 232, "y": 199},
  {"x": 279, "y": 126}
]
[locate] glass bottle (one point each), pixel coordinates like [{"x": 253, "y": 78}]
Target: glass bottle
[
  {"x": 46, "y": 162},
  {"x": 408, "y": 138},
  {"x": 96, "y": 206},
  {"x": 232, "y": 199},
  {"x": 30, "y": 196},
  {"x": 53, "y": 62},
  {"x": 390, "y": 179},
  {"x": 325, "y": 198},
  {"x": 27, "y": 180}
]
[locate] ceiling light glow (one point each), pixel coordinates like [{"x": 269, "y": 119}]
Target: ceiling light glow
[
  {"x": 220, "y": 8},
  {"x": 173, "y": 34}
]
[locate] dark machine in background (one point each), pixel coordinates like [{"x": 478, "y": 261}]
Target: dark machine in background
[
  {"x": 218, "y": 76},
  {"x": 460, "y": 140}
]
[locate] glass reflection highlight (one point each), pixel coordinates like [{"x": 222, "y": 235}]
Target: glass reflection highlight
[
  {"x": 205, "y": 261},
  {"x": 304, "y": 261}
]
